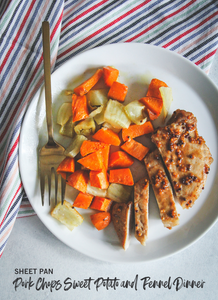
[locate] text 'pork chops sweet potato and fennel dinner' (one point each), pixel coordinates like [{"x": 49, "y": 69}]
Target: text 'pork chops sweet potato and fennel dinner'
[{"x": 105, "y": 146}]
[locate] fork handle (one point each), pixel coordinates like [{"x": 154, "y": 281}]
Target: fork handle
[{"x": 47, "y": 78}]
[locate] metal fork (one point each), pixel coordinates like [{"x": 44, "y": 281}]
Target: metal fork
[{"x": 51, "y": 154}]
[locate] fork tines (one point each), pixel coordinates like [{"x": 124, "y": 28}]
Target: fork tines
[{"x": 61, "y": 184}]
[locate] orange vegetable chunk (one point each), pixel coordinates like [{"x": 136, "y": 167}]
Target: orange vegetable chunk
[
  {"x": 101, "y": 203},
  {"x": 135, "y": 149},
  {"x": 79, "y": 108},
  {"x": 83, "y": 200},
  {"x": 107, "y": 136},
  {"x": 153, "y": 100},
  {"x": 118, "y": 91},
  {"x": 79, "y": 180},
  {"x": 67, "y": 165},
  {"x": 105, "y": 156},
  {"x": 152, "y": 116},
  {"x": 110, "y": 75},
  {"x": 137, "y": 130},
  {"x": 93, "y": 161},
  {"x": 153, "y": 88},
  {"x": 99, "y": 179},
  {"x": 101, "y": 220},
  {"x": 121, "y": 176},
  {"x": 86, "y": 86},
  {"x": 153, "y": 104},
  {"x": 91, "y": 146},
  {"x": 120, "y": 159}
]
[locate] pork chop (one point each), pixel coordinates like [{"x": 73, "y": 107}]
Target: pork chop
[
  {"x": 185, "y": 154},
  {"x": 162, "y": 189},
  {"x": 121, "y": 218},
  {"x": 141, "y": 199}
]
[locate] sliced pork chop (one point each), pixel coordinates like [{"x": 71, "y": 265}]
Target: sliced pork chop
[
  {"x": 162, "y": 189},
  {"x": 121, "y": 218},
  {"x": 185, "y": 155},
  {"x": 141, "y": 199}
]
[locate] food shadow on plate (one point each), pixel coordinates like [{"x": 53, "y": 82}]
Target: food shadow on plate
[
  {"x": 136, "y": 90},
  {"x": 154, "y": 213},
  {"x": 80, "y": 78}
]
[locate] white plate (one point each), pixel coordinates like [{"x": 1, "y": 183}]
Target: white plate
[{"x": 192, "y": 91}]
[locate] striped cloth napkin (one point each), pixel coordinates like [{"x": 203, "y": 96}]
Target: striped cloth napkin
[{"x": 188, "y": 27}]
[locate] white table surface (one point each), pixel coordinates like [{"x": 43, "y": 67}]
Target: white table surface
[{"x": 32, "y": 246}]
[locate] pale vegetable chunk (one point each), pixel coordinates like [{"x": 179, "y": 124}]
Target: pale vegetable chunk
[
  {"x": 99, "y": 118},
  {"x": 96, "y": 111},
  {"x": 74, "y": 148},
  {"x": 135, "y": 111},
  {"x": 85, "y": 127},
  {"x": 68, "y": 92},
  {"x": 68, "y": 128},
  {"x": 67, "y": 215},
  {"x": 167, "y": 96},
  {"x": 95, "y": 191},
  {"x": 64, "y": 113},
  {"x": 97, "y": 98},
  {"x": 119, "y": 192},
  {"x": 115, "y": 115},
  {"x": 109, "y": 126}
]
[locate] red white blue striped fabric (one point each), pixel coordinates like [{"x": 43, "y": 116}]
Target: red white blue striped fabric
[{"x": 189, "y": 27}]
